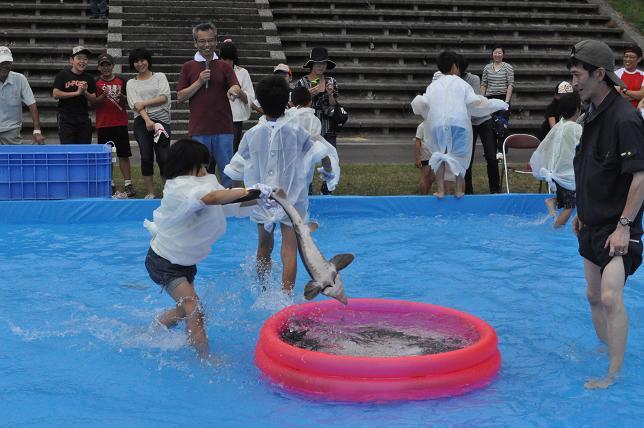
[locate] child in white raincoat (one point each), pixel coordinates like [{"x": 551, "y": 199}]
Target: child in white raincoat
[
  {"x": 447, "y": 107},
  {"x": 191, "y": 217},
  {"x": 276, "y": 152},
  {"x": 305, "y": 116},
  {"x": 552, "y": 161}
]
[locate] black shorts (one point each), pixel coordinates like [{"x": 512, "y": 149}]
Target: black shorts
[
  {"x": 168, "y": 275},
  {"x": 565, "y": 198},
  {"x": 74, "y": 130},
  {"x": 119, "y": 136},
  {"x": 591, "y": 247}
]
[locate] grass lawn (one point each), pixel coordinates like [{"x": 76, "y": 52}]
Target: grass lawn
[
  {"x": 632, "y": 11},
  {"x": 373, "y": 180}
]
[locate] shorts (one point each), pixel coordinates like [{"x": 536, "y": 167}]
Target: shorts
[
  {"x": 11, "y": 137},
  {"x": 168, "y": 275},
  {"x": 565, "y": 198},
  {"x": 591, "y": 247},
  {"x": 119, "y": 135}
]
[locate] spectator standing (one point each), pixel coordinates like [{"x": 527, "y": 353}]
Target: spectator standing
[
  {"x": 98, "y": 8},
  {"x": 208, "y": 84},
  {"x": 497, "y": 82},
  {"x": 631, "y": 75},
  {"x": 75, "y": 90},
  {"x": 148, "y": 94},
  {"x": 609, "y": 177},
  {"x": 15, "y": 91},
  {"x": 422, "y": 155},
  {"x": 240, "y": 106},
  {"x": 552, "y": 114},
  {"x": 111, "y": 117}
]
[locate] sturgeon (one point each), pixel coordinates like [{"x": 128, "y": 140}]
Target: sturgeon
[{"x": 325, "y": 274}]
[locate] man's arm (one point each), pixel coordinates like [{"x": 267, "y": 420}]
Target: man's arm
[
  {"x": 35, "y": 117},
  {"x": 186, "y": 93}
]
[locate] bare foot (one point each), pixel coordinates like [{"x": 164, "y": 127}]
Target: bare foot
[
  {"x": 600, "y": 383},
  {"x": 439, "y": 195},
  {"x": 459, "y": 195},
  {"x": 552, "y": 210}
]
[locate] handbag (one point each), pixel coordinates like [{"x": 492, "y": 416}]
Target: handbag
[{"x": 338, "y": 117}]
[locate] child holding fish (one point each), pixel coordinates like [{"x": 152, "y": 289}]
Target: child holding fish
[
  {"x": 275, "y": 152},
  {"x": 191, "y": 217}
]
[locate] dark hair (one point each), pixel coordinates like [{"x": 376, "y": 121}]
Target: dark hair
[
  {"x": 300, "y": 96},
  {"x": 138, "y": 54},
  {"x": 633, "y": 48},
  {"x": 184, "y": 157},
  {"x": 575, "y": 62},
  {"x": 569, "y": 104},
  {"x": 272, "y": 93},
  {"x": 495, "y": 47},
  {"x": 446, "y": 60},
  {"x": 463, "y": 63},
  {"x": 228, "y": 50}
]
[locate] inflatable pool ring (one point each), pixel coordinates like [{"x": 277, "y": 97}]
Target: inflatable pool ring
[{"x": 365, "y": 379}]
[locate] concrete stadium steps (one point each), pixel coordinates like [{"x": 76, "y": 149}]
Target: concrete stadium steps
[{"x": 385, "y": 50}]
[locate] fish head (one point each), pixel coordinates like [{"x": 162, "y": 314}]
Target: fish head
[{"x": 335, "y": 289}]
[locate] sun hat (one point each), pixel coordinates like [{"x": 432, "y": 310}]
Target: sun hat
[
  {"x": 319, "y": 54},
  {"x": 5, "y": 54},
  {"x": 598, "y": 54}
]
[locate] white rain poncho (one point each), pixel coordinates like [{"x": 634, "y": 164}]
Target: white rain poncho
[
  {"x": 274, "y": 153},
  {"x": 183, "y": 227},
  {"x": 552, "y": 160},
  {"x": 306, "y": 118},
  {"x": 447, "y": 107}
]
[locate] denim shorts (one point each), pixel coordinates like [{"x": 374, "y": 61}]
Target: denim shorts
[{"x": 168, "y": 275}]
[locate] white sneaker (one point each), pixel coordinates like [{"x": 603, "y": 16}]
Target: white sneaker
[
  {"x": 499, "y": 156},
  {"x": 119, "y": 195},
  {"x": 149, "y": 196}
]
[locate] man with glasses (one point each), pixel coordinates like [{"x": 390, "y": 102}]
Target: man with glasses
[
  {"x": 631, "y": 75},
  {"x": 15, "y": 91},
  {"x": 609, "y": 177},
  {"x": 75, "y": 90},
  {"x": 208, "y": 84}
]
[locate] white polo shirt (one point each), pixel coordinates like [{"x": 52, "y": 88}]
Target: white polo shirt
[{"x": 13, "y": 92}]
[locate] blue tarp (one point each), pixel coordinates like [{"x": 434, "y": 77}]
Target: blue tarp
[{"x": 108, "y": 210}]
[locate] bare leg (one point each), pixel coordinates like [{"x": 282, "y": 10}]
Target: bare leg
[
  {"x": 265, "y": 244},
  {"x": 424, "y": 183},
  {"x": 593, "y": 294},
  {"x": 440, "y": 182},
  {"x": 550, "y": 204},
  {"x": 459, "y": 191},
  {"x": 149, "y": 184},
  {"x": 563, "y": 217},
  {"x": 612, "y": 300},
  {"x": 289, "y": 258},
  {"x": 189, "y": 308},
  {"x": 124, "y": 166}
]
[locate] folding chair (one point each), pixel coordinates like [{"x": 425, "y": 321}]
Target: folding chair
[{"x": 519, "y": 141}]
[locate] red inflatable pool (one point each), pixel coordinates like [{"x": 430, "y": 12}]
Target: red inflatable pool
[{"x": 379, "y": 378}]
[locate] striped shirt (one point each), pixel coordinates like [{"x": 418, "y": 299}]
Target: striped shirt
[{"x": 497, "y": 81}]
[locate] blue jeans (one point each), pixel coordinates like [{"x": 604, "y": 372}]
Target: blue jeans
[{"x": 220, "y": 147}]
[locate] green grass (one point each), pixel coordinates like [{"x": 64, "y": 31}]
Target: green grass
[
  {"x": 373, "y": 180},
  {"x": 632, "y": 11}
]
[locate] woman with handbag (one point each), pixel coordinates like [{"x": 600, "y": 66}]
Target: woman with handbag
[{"x": 324, "y": 95}]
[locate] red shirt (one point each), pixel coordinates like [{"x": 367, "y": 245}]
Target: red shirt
[
  {"x": 109, "y": 112},
  {"x": 210, "y": 112},
  {"x": 634, "y": 81}
]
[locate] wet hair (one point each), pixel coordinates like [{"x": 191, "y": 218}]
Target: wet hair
[
  {"x": 184, "y": 157},
  {"x": 634, "y": 49},
  {"x": 301, "y": 96},
  {"x": 569, "y": 104},
  {"x": 272, "y": 93},
  {"x": 446, "y": 60},
  {"x": 228, "y": 50},
  {"x": 138, "y": 54},
  {"x": 575, "y": 62},
  {"x": 463, "y": 63},
  {"x": 204, "y": 26},
  {"x": 495, "y": 47}
]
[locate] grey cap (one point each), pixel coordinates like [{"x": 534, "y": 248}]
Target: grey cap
[
  {"x": 105, "y": 57},
  {"x": 80, "y": 50},
  {"x": 598, "y": 54}
]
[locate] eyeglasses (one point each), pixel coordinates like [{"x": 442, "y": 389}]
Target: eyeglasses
[{"x": 204, "y": 42}]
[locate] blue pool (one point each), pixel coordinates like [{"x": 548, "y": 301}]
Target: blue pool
[{"x": 78, "y": 346}]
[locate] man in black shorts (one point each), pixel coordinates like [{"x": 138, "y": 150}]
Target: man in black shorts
[{"x": 609, "y": 176}]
